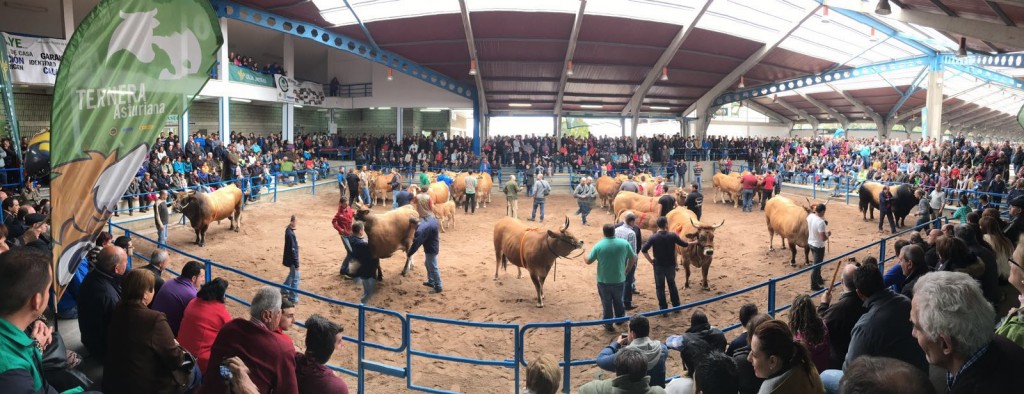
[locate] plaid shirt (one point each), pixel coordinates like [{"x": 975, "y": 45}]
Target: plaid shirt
[{"x": 951, "y": 379}]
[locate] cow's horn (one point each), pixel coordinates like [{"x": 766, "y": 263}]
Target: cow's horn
[
  {"x": 694, "y": 224},
  {"x": 566, "y": 225},
  {"x": 827, "y": 201},
  {"x": 719, "y": 224}
]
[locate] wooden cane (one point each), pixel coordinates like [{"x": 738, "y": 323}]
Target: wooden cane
[{"x": 835, "y": 273}]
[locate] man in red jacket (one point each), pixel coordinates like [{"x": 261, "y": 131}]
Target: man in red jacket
[
  {"x": 271, "y": 364},
  {"x": 342, "y": 222}
]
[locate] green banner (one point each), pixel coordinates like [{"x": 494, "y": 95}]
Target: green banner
[
  {"x": 7, "y": 93},
  {"x": 128, "y": 66},
  {"x": 246, "y": 75}
]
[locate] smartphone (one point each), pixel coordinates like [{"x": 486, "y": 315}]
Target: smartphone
[
  {"x": 625, "y": 335},
  {"x": 225, "y": 372}
]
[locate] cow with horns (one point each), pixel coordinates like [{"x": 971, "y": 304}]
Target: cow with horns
[
  {"x": 789, "y": 220},
  {"x": 531, "y": 248},
  {"x": 201, "y": 209},
  {"x": 701, "y": 238}
]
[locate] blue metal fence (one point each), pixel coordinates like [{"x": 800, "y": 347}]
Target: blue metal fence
[{"x": 517, "y": 357}]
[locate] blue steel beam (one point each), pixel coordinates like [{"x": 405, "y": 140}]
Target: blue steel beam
[
  {"x": 1015, "y": 60},
  {"x": 362, "y": 25},
  {"x": 820, "y": 78},
  {"x": 913, "y": 88},
  {"x": 988, "y": 75},
  {"x": 231, "y": 10},
  {"x": 881, "y": 28}
]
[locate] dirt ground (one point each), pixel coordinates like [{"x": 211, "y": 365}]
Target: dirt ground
[{"x": 470, "y": 293}]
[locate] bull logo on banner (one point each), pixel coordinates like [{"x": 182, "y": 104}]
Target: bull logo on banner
[{"x": 127, "y": 67}]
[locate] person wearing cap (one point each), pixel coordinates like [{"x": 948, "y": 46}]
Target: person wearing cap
[
  {"x": 817, "y": 235},
  {"x": 1014, "y": 229}
]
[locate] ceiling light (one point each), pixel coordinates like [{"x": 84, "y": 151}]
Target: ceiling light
[
  {"x": 775, "y": 98},
  {"x": 472, "y": 67},
  {"x": 660, "y": 108},
  {"x": 883, "y": 8},
  {"x": 741, "y": 85},
  {"x": 591, "y": 106},
  {"x": 664, "y": 73},
  {"x": 521, "y": 105},
  {"x": 568, "y": 68},
  {"x": 297, "y": 106},
  {"x": 241, "y": 100},
  {"x": 962, "y": 50},
  {"x": 873, "y": 37},
  {"x": 383, "y": 107},
  {"x": 390, "y": 72},
  {"x": 824, "y": 15}
]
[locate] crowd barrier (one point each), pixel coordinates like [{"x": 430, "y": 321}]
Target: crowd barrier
[{"x": 517, "y": 358}]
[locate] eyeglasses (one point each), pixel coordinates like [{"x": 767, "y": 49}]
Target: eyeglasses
[{"x": 1016, "y": 264}]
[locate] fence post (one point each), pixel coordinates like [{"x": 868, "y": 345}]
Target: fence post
[
  {"x": 567, "y": 357},
  {"x": 127, "y": 234},
  {"x": 313, "y": 177},
  {"x": 771, "y": 297},
  {"x": 277, "y": 181},
  {"x": 881, "y": 255},
  {"x": 361, "y": 350},
  {"x": 209, "y": 266},
  {"x": 814, "y": 187},
  {"x": 847, "y": 191}
]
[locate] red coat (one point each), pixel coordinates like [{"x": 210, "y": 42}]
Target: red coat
[
  {"x": 343, "y": 221},
  {"x": 199, "y": 327}
]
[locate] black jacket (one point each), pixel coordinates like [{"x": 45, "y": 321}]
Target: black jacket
[
  {"x": 98, "y": 297},
  {"x": 840, "y": 317},
  {"x": 997, "y": 371},
  {"x": 368, "y": 265},
  {"x": 291, "y": 249}
]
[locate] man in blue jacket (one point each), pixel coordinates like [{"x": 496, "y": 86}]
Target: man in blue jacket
[
  {"x": 427, "y": 236},
  {"x": 653, "y": 350},
  {"x": 290, "y": 259}
]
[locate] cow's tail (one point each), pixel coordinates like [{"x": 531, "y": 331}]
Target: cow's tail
[{"x": 864, "y": 195}]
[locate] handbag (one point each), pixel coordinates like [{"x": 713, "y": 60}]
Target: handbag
[
  {"x": 54, "y": 367},
  {"x": 184, "y": 374}
]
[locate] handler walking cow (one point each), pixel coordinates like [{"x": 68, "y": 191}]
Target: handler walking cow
[
  {"x": 664, "y": 243},
  {"x": 817, "y": 235},
  {"x": 427, "y": 236},
  {"x": 585, "y": 194}
]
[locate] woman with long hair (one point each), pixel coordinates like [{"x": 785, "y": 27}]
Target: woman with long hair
[
  {"x": 783, "y": 362},
  {"x": 810, "y": 330},
  {"x": 1001, "y": 245}
]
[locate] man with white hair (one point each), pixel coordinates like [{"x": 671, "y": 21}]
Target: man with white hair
[
  {"x": 953, "y": 325},
  {"x": 271, "y": 362}
]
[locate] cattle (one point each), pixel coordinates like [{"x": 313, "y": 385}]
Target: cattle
[
  {"x": 389, "y": 231},
  {"x": 201, "y": 209},
  {"x": 641, "y": 204},
  {"x": 381, "y": 188},
  {"x": 607, "y": 188},
  {"x": 789, "y": 220},
  {"x": 644, "y": 220},
  {"x": 903, "y": 201},
  {"x": 701, "y": 237},
  {"x": 484, "y": 185},
  {"x": 445, "y": 213},
  {"x": 438, "y": 192},
  {"x": 531, "y": 248},
  {"x": 727, "y": 185}
]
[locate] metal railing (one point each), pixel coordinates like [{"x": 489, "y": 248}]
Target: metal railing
[{"x": 517, "y": 357}]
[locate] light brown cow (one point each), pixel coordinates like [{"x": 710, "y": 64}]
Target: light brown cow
[
  {"x": 438, "y": 192},
  {"x": 389, "y": 231},
  {"x": 531, "y": 248},
  {"x": 445, "y": 213},
  {"x": 484, "y": 185},
  {"x": 789, "y": 220},
  {"x": 701, "y": 237},
  {"x": 727, "y": 185},
  {"x": 201, "y": 209},
  {"x": 381, "y": 188},
  {"x": 640, "y": 203},
  {"x": 607, "y": 189}
]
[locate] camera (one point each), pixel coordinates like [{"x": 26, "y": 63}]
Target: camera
[{"x": 225, "y": 372}]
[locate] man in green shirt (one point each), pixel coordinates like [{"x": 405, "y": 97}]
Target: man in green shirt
[
  {"x": 614, "y": 257},
  {"x": 25, "y": 278},
  {"x": 511, "y": 190}
]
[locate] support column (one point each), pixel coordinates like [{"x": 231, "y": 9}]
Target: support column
[
  {"x": 400, "y": 120},
  {"x": 932, "y": 113},
  {"x": 332, "y": 124},
  {"x": 183, "y": 132},
  {"x": 289, "y": 55},
  {"x": 477, "y": 120},
  {"x": 222, "y": 58},
  {"x": 557, "y": 131},
  {"x": 884, "y": 127},
  {"x": 68, "y": 11},
  {"x": 225, "y": 120},
  {"x": 700, "y": 125},
  {"x": 288, "y": 122},
  {"x": 622, "y": 125},
  {"x": 633, "y": 126}
]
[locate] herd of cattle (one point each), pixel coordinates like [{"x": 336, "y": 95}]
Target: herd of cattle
[{"x": 537, "y": 250}]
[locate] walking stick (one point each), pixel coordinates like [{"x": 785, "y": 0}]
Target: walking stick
[{"x": 835, "y": 273}]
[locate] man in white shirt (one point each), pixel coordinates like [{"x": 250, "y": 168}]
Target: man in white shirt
[
  {"x": 817, "y": 235},
  {"x": 938, "y": 203}
]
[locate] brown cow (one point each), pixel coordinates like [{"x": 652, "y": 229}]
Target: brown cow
[
  {"x": 438, "y": 192},
  {"x": 381, "y": 188},
  {"x": 640, "y": 203},
  {"x": 607, "y": 189},
  {"x": 727, "y": 185},
  {"x": 483, "y": 189},
  {"x": 531, "y": 248},
  {"x": 701, "y": 237},
  {"x": 389, "y": 231},
  {"x": 445, "y": 213},
  {"x": 201, "y": 209},
  {"x": 789, "y": 220}
]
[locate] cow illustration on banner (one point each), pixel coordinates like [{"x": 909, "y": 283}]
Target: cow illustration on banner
[{"x": 127, "y": 67}]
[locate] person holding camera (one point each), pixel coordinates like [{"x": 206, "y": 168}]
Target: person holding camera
[{"x": 653, "y": 351}]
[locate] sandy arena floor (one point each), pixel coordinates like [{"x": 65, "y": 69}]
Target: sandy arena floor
[{"x": 470, "y": 293}]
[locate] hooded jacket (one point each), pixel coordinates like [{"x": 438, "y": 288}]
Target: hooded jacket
[{"x": 653, "y": 350}]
